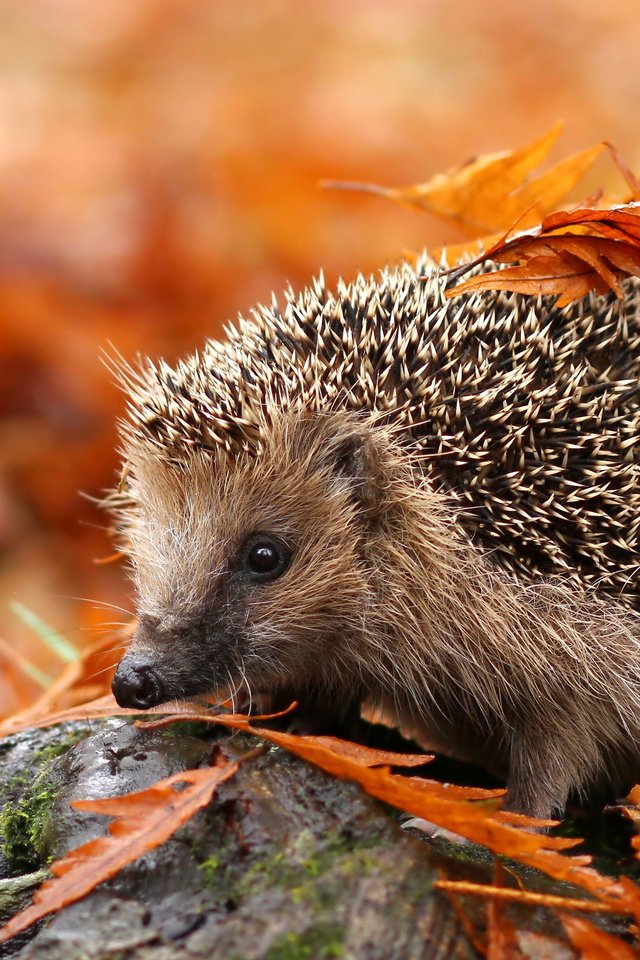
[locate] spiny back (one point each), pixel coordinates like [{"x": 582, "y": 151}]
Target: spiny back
[{"x": 527, "y": 415}]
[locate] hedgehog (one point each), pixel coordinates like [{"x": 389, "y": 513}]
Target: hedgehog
[{"x": 380, "y": 496}]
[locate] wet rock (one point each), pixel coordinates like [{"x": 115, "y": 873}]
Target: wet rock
[
  {"x": 121, "y": 758},
  {"x": 287, "y": 862}
]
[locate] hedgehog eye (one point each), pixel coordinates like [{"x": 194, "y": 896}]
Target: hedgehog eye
[{"x": 265, "y": 557}]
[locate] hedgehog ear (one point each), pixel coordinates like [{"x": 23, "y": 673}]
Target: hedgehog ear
[{"x": 356, "y": 459}]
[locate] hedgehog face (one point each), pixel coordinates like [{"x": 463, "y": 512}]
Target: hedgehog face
[{"x": 240, "y": 563}]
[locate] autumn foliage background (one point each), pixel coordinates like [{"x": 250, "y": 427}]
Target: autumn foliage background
[{"x": 159, "y": 171}]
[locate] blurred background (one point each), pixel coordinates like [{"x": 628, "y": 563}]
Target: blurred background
[{"x": 159, "y": 170}]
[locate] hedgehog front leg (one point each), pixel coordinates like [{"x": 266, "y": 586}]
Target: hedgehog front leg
[{"x": 540, "y": 777}]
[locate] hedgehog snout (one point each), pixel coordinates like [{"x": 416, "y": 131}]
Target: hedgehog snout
[{"x": 136, "y": 684}]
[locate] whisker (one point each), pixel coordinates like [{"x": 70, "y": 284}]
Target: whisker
[
  {"x": 108, "y": 624},
  {"x": 96, "y": 526},
  {"x": 232, "y": 692},
  {"x": 98, "y": 673},
  {"x": 100, "y": 603},
  {"x": 116, "y": 646}
]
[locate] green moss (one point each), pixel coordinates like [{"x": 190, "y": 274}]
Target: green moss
[
  {"x": 289, "y": 868},
  {"x": 218, "y": 875},
  {"x": 58, "y": 749},
  {"x": 316, "y": 943},
  {"x": 274, "y": 871},
  {"x": 25, "y": 818},
  {"x": 23, "y": 823},
  {"x": 297, "y": 870},
  {"x": 210, "y": 869}
]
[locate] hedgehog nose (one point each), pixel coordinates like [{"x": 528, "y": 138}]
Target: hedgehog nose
[{"x": 137, "y": 685}]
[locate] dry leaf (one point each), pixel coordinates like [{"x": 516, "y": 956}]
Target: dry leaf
[
  {"x": 104, "y": 706},
  {"x": 630, "y": 177},
  {"x": 523, "y": 896},
  {"x": 141, "y": 822},
  {"x": 444, "y": 805},
  {"x": 567, "y": 255},
  {"x": 491, "y": 192},
  {"x": 593, "y": 943},
  {"x": 469, "y": 812},
  {"x": 501, "y": 934}
]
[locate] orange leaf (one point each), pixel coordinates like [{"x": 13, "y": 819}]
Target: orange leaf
[
  {"x": 67, "y": 688},
  {"x": 36, "y": 718},
  {"x": 546, "y": 191},
  {"x": 441, "y": 804},
  {"x": 522, "y": 896},
  {"x": 471, "y": 820},
  {"x": 503, "y": 942},
  {"x": 491, "y": 192},
  {"x": 142, "y": 821},
  {"x": 104, "y": 706},
  {"x": 444, "y": 806},
  {"x": 447, "y": 806},
  {"x": 546, "y": 276},
  {"x": 634, "y": 795},
  {"x": 566, "y": 255},
  {"x": 355, "y": 753},
  {"x": 466, "y": 923},
  {"x": 625, "y": 217},
  {"x": 627, "y": 173},
  {"x": 367, "y": 756},
  {"x": 593, "y": 943}
]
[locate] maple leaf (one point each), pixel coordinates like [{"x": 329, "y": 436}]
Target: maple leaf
[
  {"x": 142, "y": 821},
  {"x": 491, "y": 192}
]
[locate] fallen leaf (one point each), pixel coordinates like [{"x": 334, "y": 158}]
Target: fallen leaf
[
  {"x": 593, "y": 943},
  {"x": 141, "y": 822},
  {"x": 627, "y": 173},
  {"x": 522, "y": 896},
  {"x": 474, "y": 936},
  {"x": 501, "y": 934},
  {"x": 101, "y": 707},
  {"x": 472, "y": 813},
  {"x": 367, "y": 756},
  {"x": 477, "y": 820}
]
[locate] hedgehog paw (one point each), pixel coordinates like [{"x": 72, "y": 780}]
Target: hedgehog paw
[{"x": 432, "y": 831}]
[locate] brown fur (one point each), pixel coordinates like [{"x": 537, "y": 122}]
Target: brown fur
[
  {"x": 385, "y": 599},
  {"x": 460, "y": 486}
]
